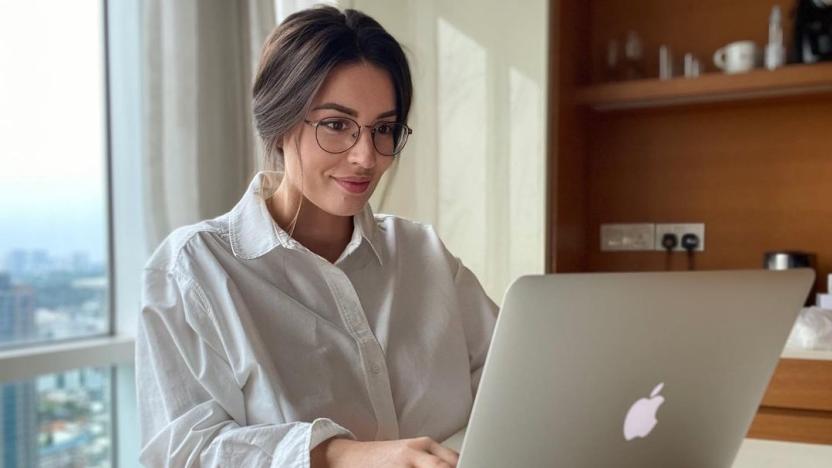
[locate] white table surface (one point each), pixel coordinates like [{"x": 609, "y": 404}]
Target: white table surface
[
  {"x": 754, "y": 453},
  {"x": 821, "y": 354}
]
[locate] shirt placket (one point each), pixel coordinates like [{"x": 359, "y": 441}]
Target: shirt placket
[{"x": 372, "y": 358}]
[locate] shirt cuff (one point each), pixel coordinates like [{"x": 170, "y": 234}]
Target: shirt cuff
[{"x": 323, "y": 429}]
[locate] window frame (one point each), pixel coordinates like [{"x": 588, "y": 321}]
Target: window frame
[{"x": 115, "y": 347}]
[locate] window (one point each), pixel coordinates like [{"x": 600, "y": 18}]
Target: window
[
  {"x": 54, "y": 243},
  {"x": 57, "y": 420}
]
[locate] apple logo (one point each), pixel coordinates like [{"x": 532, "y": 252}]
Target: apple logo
[{"x": 641, "y": 419}]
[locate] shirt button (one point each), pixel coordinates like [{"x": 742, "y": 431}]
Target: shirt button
[{"x": 375, "y": 369}]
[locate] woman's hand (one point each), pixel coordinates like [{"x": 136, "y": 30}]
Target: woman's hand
[{"x": 422, "y": 452}]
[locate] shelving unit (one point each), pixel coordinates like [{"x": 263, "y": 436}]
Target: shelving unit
[
  {"x": 747, "y": 154},
  {"x": 757, "y": 85}
]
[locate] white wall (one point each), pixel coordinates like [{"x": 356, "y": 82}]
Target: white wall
[{"x": 475, "y": 167}]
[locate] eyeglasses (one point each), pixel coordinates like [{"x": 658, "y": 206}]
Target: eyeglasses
[{"x": 338, "y": 134}]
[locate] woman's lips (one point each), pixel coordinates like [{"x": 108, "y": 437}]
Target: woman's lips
[{"x": 353, "y": 186}]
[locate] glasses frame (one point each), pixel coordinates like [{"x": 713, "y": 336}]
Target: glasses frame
[{"x": 373, "y": 128}]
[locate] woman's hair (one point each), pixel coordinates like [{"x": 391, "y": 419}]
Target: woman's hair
[{"x": 300, "y": 53}]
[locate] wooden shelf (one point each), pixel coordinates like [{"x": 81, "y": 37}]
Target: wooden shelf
[{"x": 792, "y": 80}]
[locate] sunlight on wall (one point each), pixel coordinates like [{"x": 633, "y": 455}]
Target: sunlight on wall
[
  {"x": 527, "y": 178},
  {"x": 475, "y": 166},
  {"x": 463, "y": 137}
]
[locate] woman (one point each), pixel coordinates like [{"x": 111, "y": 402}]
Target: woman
[{"x": 299, "y": 329}]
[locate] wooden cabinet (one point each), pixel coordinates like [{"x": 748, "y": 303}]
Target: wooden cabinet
[
  {"x": 748, "y": 155},
  {"x": 798, "y": 403}
]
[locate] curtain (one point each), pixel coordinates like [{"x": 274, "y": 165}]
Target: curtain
[
  {"x": 199, "y": 141},
  {"x": 287, "y": 7}
]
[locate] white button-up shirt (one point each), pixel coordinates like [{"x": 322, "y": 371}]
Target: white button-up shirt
[{"x": 252, "y": 350}]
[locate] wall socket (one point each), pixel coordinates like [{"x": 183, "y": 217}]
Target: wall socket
[
  {"x": 680, "y": 230},
  {"x": 627, "y": 237}
]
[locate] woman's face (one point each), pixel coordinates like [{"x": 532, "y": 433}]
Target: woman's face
[{"x": 341, "y": 184}]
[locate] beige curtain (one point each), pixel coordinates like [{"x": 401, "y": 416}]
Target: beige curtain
[
  {"x": 287, "y": 7},
  {"x": 199, "y": 143}
]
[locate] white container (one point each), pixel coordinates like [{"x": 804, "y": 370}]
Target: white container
[
  {"x": 824, "y": 301},
  {"x": 775, "y": 52},
  {"x": 736, "y": 57}
]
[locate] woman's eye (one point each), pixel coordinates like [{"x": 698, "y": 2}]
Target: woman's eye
[
  {"x": 384, "y": 129},
  {"x": 335, "y": 125}
]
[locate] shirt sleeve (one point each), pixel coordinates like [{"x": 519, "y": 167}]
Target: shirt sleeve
[
  {"x": 479, "y": 315},
  {"x": 191, "y": 407}
]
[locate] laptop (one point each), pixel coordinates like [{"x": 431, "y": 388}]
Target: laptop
[{"x": 630, "y": 369}]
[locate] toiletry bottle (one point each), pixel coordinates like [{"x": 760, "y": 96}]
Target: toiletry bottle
[
  {"x": 775, "y": 55},
  {"x": 633, "y": 57}
]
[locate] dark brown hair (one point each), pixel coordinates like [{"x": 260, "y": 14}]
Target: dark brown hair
[{"x": 300, "y": 53}]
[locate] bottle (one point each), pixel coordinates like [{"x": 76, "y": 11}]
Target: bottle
[
  {"x": 633, "y": 57},
  {"x": 665, "y": 63},
  {"x": 775, "y": 50},
  {"x": 693, "y": 67}
]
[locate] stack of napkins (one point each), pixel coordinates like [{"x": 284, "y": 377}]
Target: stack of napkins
[
  {"x": 824, "y": 301},
  {"x": 813, "y": 328}
]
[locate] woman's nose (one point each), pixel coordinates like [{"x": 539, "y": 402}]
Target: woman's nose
[{"x": 364, "y": 152}]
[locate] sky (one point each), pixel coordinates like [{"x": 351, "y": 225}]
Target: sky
[{"x": 52, "y": 130}]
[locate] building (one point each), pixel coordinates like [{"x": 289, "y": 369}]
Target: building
[
  {"x": 17, "y": 311},
  {"x": 18, "y": 405}
]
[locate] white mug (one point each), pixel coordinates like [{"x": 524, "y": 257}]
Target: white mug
[{"x": 736, "y": 57}]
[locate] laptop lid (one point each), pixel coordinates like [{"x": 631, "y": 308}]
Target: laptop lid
[{"x": 581, "y": 365}]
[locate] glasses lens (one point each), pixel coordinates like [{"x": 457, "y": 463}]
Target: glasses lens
[
  {"x": 336, "y": 135},
  {"x": 389, "y": 138}
]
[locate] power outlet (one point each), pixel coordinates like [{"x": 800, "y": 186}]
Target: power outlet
[
  {"x": 629, "y": 237},
  {"x": 680, "y": 230}
]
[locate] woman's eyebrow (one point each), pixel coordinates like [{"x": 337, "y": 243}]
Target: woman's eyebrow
[
  {"x": 348, "y": 111},
  {"x": 338, "y": 107}
]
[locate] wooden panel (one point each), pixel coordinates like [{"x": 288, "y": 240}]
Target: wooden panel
[
  {"x": 792, "y": 425},
  {"x": 801, "y": 384},
  {"x": 697, "y": 26},
  {"x": 567, "y": 137},
  {"x": 793, "y": 80},
  {"x": 759, "y": 177}
]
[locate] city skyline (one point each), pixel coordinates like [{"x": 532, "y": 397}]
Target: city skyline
[
  {"x": 62, "y": 419},
  {"x": 79, "y": 228},
  {"x": 28, "y": 262}
]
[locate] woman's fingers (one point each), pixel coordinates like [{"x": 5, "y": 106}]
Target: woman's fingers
[
  {"x": 429, "y": 460},
  {"x": 444, "y": 453}
]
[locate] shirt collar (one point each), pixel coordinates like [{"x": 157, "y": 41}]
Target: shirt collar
[{"x": 253, "y": 232}]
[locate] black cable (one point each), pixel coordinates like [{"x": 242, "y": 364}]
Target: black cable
[
  {"x": 690, "y": 242},
  {"x": 669, "y": 242}
]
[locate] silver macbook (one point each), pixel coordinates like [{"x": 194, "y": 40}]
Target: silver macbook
[{"x": 630, "y": 370}]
